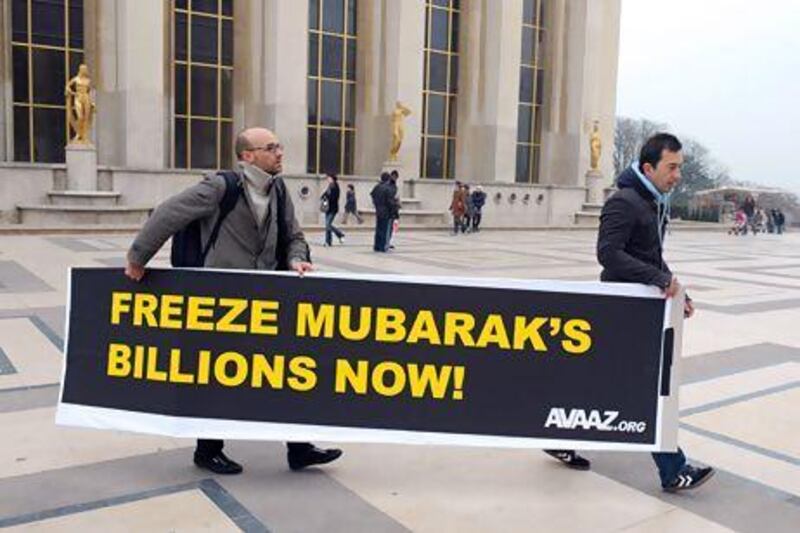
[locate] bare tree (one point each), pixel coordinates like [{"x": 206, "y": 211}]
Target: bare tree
[{"x": 629, "y": 136}]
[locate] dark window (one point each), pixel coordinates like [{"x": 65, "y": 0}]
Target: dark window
[
  {"x": 22, "y": 133},
  {"x": 311, "y": 156},
  {"x": 48, "y": 76},
  {"x": 333, "y": 16},
  {"x": 524, "y": 123},
  {"x": 313, "y": 54},
  {"x": 226, "y": 98},
  {"x": 440, "y": 88},
  {"x": 48, "y": 22},
  {"x": 40, "y": 72},
  {"x": 351, "y": 59},
  {"x": 19, "y": 20},
  {"x": 313, "y": 14},
  {"x": 204, "y": 91},
  {"x": 436, "y": 107},
  {"x": 434, "y": 158},
  {"x": 526, "y": 85},
  {"x": 226, "y": 144},
  {"x": 180, "y": 142},
  {"x": 227, "y": 8},
  {"x": 204, "y": 39},
  {"x": 439, "y": 35},
  {"x": 330, "y": 150},
  {"x": 204, "y": 143},
  {"x": 438, "y": 73},
  {"x": 49, "y": 133},
  {"x": 180, "y": 36},
  {"x": 227, "y": 43},
  {"x": 331, "y": 103},
  {"x": 332, "y": 57},
  {"x": 20, "y": 60},
  {"x": 528, "y": 7},
  {"x": 453, "y": 74},
  {"x": 523, "y": 163},
  {"x": 331, "y": 85},
  {"x": 180, "y": 89},
  {"x": 527, "y": 45},
  {"x": 76, "y": 23},
  {"x": 206, "y": 6},
  {"x": 312, "y": 101}
]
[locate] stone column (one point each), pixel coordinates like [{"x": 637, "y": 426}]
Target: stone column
[
  {"x": 271, "y": 70},
  {"x": 133, "y": 63},
  {"x": 391, "y": 37},
  {"x": 490, "y": 55},
  {"x": 583, "y": 47}
]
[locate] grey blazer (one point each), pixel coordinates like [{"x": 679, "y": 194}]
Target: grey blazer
[{"x": 243, "y": 242}]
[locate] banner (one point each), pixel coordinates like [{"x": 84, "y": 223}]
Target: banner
[{"x": 269, "y": 355}]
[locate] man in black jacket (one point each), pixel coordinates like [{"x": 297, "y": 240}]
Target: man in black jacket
[
  {"x": 630, "y": 245},
  {"x": 382, "y": 200}
]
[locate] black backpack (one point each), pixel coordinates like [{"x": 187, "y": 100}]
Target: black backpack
[{"x": 187, "y": 244}]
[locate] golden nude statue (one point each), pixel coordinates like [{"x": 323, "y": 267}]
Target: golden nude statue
[
  {"x": 399, "y": 113},
  {"x": 80, "y": 107},
  {"x": 595, "y": 145}
]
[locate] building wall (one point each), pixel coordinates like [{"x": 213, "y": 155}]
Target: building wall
[{"x": 129, "y": 49}]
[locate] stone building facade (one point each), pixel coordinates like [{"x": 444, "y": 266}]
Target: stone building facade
[{"x": 502, "y": 93}]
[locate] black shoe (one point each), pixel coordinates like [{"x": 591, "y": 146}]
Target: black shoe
[
  {"x": 313, "y": 456},
  {"x": 570, "y": 458},
  {"x": 218, "y": 463},
  {"x": 690, "y": 477}
]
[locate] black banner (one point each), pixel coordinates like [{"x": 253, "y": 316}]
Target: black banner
[{"x": 271, "y": 355}]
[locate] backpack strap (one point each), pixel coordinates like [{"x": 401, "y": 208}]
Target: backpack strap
[{"x": 233, "y": 190}]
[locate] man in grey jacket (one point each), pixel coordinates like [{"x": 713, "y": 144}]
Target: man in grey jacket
[{"x": 251, "y": 237}]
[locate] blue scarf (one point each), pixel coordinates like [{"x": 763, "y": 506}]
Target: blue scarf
[{"x": 662, "y": 200}]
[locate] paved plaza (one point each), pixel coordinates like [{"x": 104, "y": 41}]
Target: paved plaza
[{"x": 740, "y": 412}]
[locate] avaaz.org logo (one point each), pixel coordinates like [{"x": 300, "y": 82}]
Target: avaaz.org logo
[{"x": 563, "y": 418}]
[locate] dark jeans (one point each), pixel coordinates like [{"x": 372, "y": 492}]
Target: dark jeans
[
  {"x": 355, "y": 214},
  {"x": 669, "y": 464},
  {"x": 476, "y": 221},
  {"x": 330, "y": 228},
  {"x": 381, "y": 232},
  {"x": 211, "y": 447}
]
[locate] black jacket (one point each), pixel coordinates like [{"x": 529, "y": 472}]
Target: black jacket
[
  {"x": 628, "y": 246},
  {"x": 332, "y": 194},
  {"x": 394, "y": 201},
  {"x": 382, "y": 197}
]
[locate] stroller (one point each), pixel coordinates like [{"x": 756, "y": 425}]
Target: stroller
[{"x": 739, "y": 224}]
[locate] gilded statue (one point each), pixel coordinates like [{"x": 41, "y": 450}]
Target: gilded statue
[
  {"x": 398, "y": 129},
  {"x": 595, "y": 145},
  {"x": 80, "y": 107}
]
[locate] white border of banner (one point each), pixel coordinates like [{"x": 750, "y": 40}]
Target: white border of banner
[{"x": 188, "y": 427}]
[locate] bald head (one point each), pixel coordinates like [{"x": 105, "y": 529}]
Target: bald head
[
  {"x": 261, "y": 148},
  {"x": 249, "y": 138}
]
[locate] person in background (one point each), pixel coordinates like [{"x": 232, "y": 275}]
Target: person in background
[
  {"x": 478, "y": 201},
  {"x": 350, "y": 207},
  {"x": 331, "y": 194}
]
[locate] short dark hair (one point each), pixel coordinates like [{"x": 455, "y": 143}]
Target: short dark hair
[
  {"x": 654, "y": 146},
  {"x": 242, "y": 144},
  {"x": 333, "y": 176},
  {"x": 395, "y": 174},
  {"x": 385, "y": 176}
]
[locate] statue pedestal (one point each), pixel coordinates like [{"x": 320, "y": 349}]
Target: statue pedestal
[
  {"x": 388, "y": 166},
  {"x": 594, "y": 187},
  {"x": 81, "y": 167}
]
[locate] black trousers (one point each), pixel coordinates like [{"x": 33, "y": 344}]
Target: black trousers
[
  {"x": 211, "y": 447},
  {"x": 381, "y": 232}
]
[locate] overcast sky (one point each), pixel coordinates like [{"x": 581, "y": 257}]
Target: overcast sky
[{"x": 725, "y": 72}]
